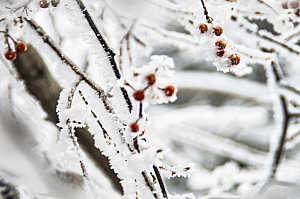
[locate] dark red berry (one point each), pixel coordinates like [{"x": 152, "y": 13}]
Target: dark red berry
[
  {"x": 235, "y": 60},
  {"x": 297, "y": 12},
  {"x": 284, "y": 5},
  {"x": 218, "y": 30},
  {"x": 220, "y": 53},
  {"x": 220, "y": 44},
  {"x": 44, "y": 3},
  {"x": 55, "y": 2},
  {"x": 151, "y": 79},
  {"x": 20, "y": 47},
  {"x": 169, "y": 90},
  {"x": 139, "y": 95},
  {"x": 294, "y": 4},
  {"x": 203, "y": 28},
  {"x": 134, "y": 127},
  {"x": 10, "y": 55}
]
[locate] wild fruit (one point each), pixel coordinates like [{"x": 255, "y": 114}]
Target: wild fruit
[
  {"x": 169, "y": 90},
  {"x": 134, "y": 127},
  {"x": 10, "y": 55},
  {"x": 297, "y": 12},
  {"x": 20, "y": 47},
  {"x": 203, "y": 28},
  {"x": 139, "y": 95},
  {"x": 220, "y": 44},
  {"x": 44, "y": 3},
  {"x": 218, "y": 30},
  {"x": 220, "y": 53},
  {"x": 235, "y": 60},
  {"x": 150, "y": 79},
  {"x": 55, "y": 2},
  {"x": 294, "y": 4}
]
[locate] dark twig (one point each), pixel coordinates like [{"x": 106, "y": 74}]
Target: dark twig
[
  {"x": 160, "y": 181},
  {"x": 149, "y": 184},
  {"x": 109, "y": 52},
  {"x": 208, "y": 18},
  {"x": 70, "y": 63}
]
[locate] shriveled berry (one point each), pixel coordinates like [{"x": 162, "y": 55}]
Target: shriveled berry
[
  {"x": 220, "y": 53},
  {"x": 20, "y": 47},
  {"x": 218, "y": 30},
  {"x": 235, "y": 60},
  {"x": 10, "y": 55},
  {"x": 151, "y": 79},
  {"x": 138, "y": 95},
  {"x": 297, "y": 12},
  {"x": 220, "y": 44},
  {"x": 134, "y": 127},
  {"x": 169, "y": 90},
  {"x": 55, "y": 2},
  {"x": 203, "y": 28},
  {"x": 294, "y": 4},
  {"x": 44, "y": 3}
]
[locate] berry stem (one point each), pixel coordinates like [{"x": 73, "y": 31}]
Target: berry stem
[{"x": 208, "y": 18}]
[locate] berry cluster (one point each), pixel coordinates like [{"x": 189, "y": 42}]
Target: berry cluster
[
  {"x": 154, "y": 86},
  {"x": 220, "y": 44},
  {"x": 292, "y": 5},
  {"x": 19, "y": 46},
  {"x": 46, "y": 3}
]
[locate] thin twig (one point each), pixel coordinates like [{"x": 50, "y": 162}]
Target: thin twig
[
  {"x": 149, "y": 184},
  {"x": 160, "y": 181},
  {"x": 109, "y": 52},
  {"x": 208, "y": 18},
  {"x": 46, "y": 38}
]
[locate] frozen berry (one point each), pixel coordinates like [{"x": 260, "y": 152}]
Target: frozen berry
[
  {"x": 134, "y": 127},
  {"x": 10, "y": 55},
  {"x": 20, "y": 47},
  {"x": 55, "y": 2},
  {"x": 294, "y": 4},
  {"x": 235, "y": 60},
  {"x": 218, "y": 30},
  {"x": 203, "y": 28},
  {"x": 297, "y": 12},
  {"x": 220, "y": 53},
  {"x": 220, "y": 44},
  {"x": 139, "y": 95},
  {"x": 150, "y": 79},
  {"x": 284, "y": 5},
  {"x": 169, "y": 90},
  {"x": 44, "y": 3}
]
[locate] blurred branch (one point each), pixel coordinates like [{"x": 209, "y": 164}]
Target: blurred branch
[{"x": 46, "y": 90}]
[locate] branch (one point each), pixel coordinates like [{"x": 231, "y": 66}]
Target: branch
[
  {"x": 110, "y": 54},
  {"x": 46, "y": 38}
]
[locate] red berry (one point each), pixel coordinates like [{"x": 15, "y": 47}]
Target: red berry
[
  {"x": 220, "y": 44},
  {"x": 218, "y": 30},
  {"x": 151, "y": 79},
  {"x": 294, "y": 4},
  {"x": 220, "y": 53},
  {"x": 134, "y": 127},
  {"x": 10, "y": 55},
  {"x": 44, "y": 3},
  {"x": 203, "y": 28},
  {"x": 169, "y": 90},
  {"x": 284, "y": 5},
  {"x": 55, "y": 2},
  {"x": 20, "y": 47},
  {"x": 235, "y": 60},
  {"x": 139, "y": 95},
  {"x": 297, "y": 12}
]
